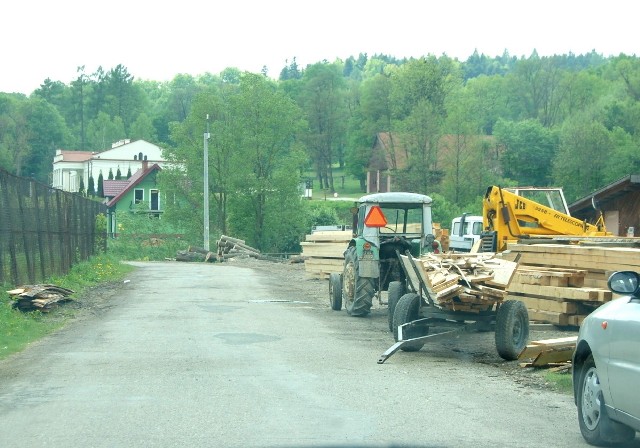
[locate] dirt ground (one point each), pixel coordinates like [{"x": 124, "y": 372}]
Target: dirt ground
[{"x": 290, "y": 281}]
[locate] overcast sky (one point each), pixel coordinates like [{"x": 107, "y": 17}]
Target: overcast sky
[{"x": 42, "y": 39}]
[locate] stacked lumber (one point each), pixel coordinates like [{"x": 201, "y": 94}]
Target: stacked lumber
[
  {"x": 549, "y": 352},
  {"x": 561, "y": 284},
  {"x": 323, "y": 252},
  {"x": 466, "y": 282},
  {"x": 39, "y": 297}
]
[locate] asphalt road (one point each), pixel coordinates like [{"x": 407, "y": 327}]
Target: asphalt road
[{"x": 210, "y": 355}]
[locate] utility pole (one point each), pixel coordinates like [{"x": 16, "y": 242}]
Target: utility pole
[{"x": 206, "y": 186}]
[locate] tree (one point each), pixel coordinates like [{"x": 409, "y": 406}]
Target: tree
[
  {"x": 103, "y": 131},
  {"x": 266, "y": 125},
  {"x": 528, "y": 151},
  {"x": 119, "y": 174},
  {"x": 323, "y": 101},
  {"x": 91, "y": 190},
  {"x": 46, "y": 131},
  {"x": 110, "y": 176},
  {"x": 81, "y": 189},
  {"x": 580, "y": 166},
  {"x": 100, "y": 192}
]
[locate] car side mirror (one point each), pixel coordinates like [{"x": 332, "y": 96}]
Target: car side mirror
[{"x": 624, "y": 282}]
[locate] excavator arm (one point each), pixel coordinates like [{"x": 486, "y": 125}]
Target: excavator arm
[{"x": 509, "y": 216}]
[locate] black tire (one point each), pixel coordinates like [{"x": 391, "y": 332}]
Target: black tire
[
  {"x": 357, "y": 292},
  {"x": 335, "y": 291},
  {"x": 395, "y": 291},
  {"x": 407, "y": 310},
  {"x": 512, "y": 329},
  {"x": 595, "y": 425}
]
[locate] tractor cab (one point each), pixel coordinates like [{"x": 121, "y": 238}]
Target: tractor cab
[{"x": 384, "y": 224}]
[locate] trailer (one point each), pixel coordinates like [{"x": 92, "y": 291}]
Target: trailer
[{"x": 418, "y": 310}]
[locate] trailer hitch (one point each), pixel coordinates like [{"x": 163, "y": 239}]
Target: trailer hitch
[{"x": 463, "y": 327}]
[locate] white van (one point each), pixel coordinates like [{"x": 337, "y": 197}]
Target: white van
[{"x": 465, "y": 231}]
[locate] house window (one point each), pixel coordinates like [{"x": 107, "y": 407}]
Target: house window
[
  {"x": 138, "y": 195},
  {"x": 155, "y": 200}
]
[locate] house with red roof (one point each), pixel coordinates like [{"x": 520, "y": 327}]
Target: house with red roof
[{"x": 138, "y": 194}]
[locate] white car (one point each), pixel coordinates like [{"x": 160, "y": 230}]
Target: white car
[{"x": 606, "y": 366}]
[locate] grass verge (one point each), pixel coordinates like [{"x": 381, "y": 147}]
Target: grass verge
[
  {"x": 562, "y": 382},
  {"x": 18, "y": 329}
]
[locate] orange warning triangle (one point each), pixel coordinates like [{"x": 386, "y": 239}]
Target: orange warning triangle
[{"x": 375, "y": 217}]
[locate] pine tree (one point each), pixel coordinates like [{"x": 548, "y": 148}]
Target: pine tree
[
  {"x": 91, "y": 191},
  {"x": 129, "y": 173},
  {"x": 81, "y": 189},
  {"x": 100, "y": 184},
  {"x": 118, "y": 174},
  {"x": 110, "y": 174}
]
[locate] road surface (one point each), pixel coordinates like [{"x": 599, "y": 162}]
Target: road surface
[{"x": 219, "y": 355}]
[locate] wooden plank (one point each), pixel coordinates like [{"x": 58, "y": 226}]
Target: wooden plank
[
  {"x": 568, "y": 293},
  {"x": 549, "y": 317},
  {"x": 503, "y": 272},
  {"x": 534, "y": 348},
  {"x": 330, "y": 236},
  {"x": 553, "y": 357},
  {"x": 556, "y": 306}
]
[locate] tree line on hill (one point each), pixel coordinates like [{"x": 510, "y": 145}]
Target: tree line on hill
[{"x": 566, "y": 120}]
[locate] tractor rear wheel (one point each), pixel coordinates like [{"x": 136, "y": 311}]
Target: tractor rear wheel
[{"x": 357, "y": 292}]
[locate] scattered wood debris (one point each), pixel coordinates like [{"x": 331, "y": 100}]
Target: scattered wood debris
[
  {"x": 464, "y": 282},
  {"x": 39, "y": 297},
  {"x": 554, "y": 353}
]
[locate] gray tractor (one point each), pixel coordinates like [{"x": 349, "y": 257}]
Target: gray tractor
[{"x": 385, "y": 225}]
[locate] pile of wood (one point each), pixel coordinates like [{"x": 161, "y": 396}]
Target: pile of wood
[
  {"x": 561, "y": 284},
  {"x": 464, "y": 282},
  {"x": 195, "y": 254},
  {"x": 39, "y": 297},
  {"x": 554, "y": 353},
  {"x": 229, "y": 247},
  {"x": 323, "y": 252}
]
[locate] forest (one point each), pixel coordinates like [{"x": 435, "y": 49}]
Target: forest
[{"x": 565, "y": 120}]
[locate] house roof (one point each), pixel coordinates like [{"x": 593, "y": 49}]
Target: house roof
[
  {"x": 76, "y": 156},
  {"x": 628, "y": 183},
  {"x": 134, "y": 180},
  {"x": 112, "y": 187}
]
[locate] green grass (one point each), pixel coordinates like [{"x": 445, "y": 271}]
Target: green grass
[
  {"x": 18, "y": 329},
  {"x": 344, "y": 184},
  {"x": 561, "y": 382}
]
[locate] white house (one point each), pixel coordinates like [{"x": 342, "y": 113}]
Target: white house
[{"x": 71, "y": 166}]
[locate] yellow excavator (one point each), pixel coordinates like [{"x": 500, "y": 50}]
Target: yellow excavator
[{"x": 512, "y": 214}]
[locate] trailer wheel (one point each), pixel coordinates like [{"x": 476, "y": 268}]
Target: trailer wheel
[
  {"x": 408, "y": 310},
  {"x": 335, "y": 291},
  {"x": 512, "y": 329},
  {"x": 395, "y": 291},
  {"x": 357, "y": 292}
]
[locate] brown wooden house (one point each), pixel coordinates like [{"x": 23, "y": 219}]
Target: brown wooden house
[
  {"x": 619, "y": 203},
  {"x": 389, "y": 154}
]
